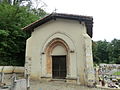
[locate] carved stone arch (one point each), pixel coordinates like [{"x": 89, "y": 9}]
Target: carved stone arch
[
  {"x": 50, "y": 47},
  {"x": 56, "y": 42},
  {"x": 57, "y": 39},
  {"x": 61, "y": 35}
]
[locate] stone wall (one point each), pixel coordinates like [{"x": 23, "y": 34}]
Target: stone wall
[{"x": 11, "y": 69}]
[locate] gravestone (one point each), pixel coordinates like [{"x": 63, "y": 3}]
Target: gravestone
[
  {"x": 20, "y": 84},
  {"x": 1, "y": 77}
]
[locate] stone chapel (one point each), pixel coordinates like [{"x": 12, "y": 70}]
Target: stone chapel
[{"x": 60, "y": 48}]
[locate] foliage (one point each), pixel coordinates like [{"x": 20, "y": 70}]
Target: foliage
[
  {"x": 12, "y": 38},
  {"x": 106, "y": 52},
  {"x": 116, "y": 73},
  {"x": 114, "y": 51}
]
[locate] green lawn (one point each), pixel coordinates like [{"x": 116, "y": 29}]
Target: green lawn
[{"x": 116, "y": 73}]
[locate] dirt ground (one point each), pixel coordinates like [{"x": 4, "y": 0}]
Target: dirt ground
[
  {"x": 58, "y": 85},
  {"x": 52, "y": 85}
]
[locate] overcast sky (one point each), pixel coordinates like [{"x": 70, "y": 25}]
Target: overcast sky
[{"x": 106, "y": 14}]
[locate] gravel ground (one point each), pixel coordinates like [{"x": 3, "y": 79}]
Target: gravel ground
[
  {"x": 58, "y": 85},
  {"x": 52, "y": 85}
]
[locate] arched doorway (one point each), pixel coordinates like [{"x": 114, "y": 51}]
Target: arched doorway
[
  {"x": 59, "y": 68},
  {"x": 67, "y": 43},
  {"x": 57, "y": 58}
]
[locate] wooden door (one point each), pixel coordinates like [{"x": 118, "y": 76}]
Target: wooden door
[{"x": 59, "y": 67}]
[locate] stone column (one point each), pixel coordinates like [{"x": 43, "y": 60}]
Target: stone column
[
  {"x": 89, "y": 70},
  {"x": 28, "y": 65}
]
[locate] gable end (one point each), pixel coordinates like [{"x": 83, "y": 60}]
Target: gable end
[{"x": 86, "y": 19}]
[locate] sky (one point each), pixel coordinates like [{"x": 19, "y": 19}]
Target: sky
[{"x": 105, "y": 13}]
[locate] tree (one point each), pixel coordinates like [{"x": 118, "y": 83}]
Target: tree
[
  {"x": 13, "y": 2},
  {"x": 114, "y": 51},
  {"x": 100, "y": 53},
  {"x": 96, "y": 59},
  {"x": 106, "y": 52},
  {"x": 12, "y": 38}
]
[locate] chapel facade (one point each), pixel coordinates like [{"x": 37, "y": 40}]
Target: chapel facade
[{"x": 60, "y": 47}]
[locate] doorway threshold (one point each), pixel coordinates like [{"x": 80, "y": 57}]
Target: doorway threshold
[{"x": 62, "y": 80}]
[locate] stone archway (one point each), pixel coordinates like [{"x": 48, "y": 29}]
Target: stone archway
[
  {"x": 57, "y": 48},
  {"x": 58, "y": 39}
]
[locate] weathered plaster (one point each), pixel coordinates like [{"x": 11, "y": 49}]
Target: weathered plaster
[{"x": 73, "y": 39}]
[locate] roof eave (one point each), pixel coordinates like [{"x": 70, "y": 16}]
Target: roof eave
[{"x": 88, "y": 21}]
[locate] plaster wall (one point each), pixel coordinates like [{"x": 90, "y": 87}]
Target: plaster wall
[{"x": 69, "y": 30}]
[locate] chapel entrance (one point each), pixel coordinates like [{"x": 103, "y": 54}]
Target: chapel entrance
[{"x": 59, "y": 67}]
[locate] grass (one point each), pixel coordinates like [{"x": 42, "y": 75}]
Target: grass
[{"x": 116, "y": 73}]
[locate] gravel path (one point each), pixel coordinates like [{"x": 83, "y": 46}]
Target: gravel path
[
  {"x": 57, "y": 85},
  {"x": 52, "y": 85}
]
